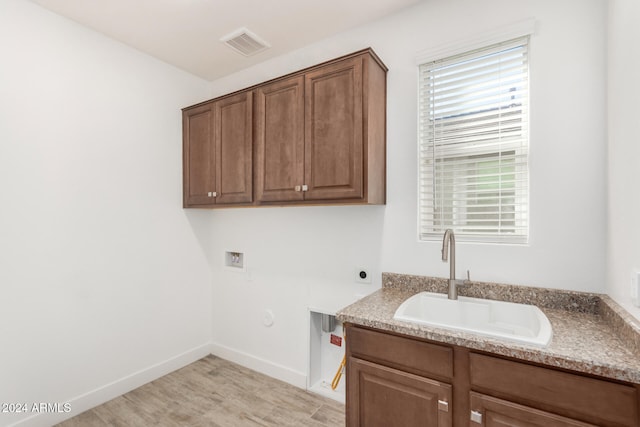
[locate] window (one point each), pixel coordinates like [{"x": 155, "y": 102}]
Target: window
[{"x": 473, "y": 136}]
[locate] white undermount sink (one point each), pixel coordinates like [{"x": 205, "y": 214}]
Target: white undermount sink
[{"x": 514, "y": 322}]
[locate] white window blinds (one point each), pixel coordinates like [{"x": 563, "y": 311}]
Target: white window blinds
[{"x": 473, "y": 136}]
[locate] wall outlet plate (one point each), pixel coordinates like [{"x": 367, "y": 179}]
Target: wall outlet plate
[{"x": 362, "y": 275}]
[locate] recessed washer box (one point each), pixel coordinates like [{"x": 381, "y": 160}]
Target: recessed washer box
[{"x": 235, "y": 261}]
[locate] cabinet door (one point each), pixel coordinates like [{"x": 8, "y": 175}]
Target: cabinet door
[
  {"x": 199, "y": 178},
  {"x": 378, "y": 396},
  {"x": 491, "y": 412},
  {"x": 334, "y": 131},
  {"x": 233, "y": 149},
  {"x": 601, "y": 402},
  {"x": 279, "y": 162}
]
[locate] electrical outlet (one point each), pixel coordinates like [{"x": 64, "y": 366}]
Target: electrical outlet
[{"x": 362, "y": 275}]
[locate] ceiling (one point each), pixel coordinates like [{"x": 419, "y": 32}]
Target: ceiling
[{"x": 187, "y": 33}]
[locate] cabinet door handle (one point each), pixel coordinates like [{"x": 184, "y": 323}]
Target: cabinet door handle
[
  {"x": 305, "y": 187},
  {"x": 214, "y": 194},
  {"x": 297, "y": 188},
  {"x": 443, "y": 405},
  {"x": 476, "y": 417},
  {"x": 209, "y": 194}
]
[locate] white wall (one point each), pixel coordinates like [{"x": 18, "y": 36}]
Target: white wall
[
  {"x": 306, "y": 256},
  {"x": 624, "y": 150},
  {"x": 104, "y": 282}
]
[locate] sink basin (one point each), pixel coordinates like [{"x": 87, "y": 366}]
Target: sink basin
[{"x": 505, "y": 320}]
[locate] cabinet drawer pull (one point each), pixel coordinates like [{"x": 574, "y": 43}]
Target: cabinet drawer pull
[
  {"x": 476, "y": 417},
  {"x": 443, "y": 405}
]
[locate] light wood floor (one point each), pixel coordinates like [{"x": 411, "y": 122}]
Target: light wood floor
[{"x": 215, "y": 393}]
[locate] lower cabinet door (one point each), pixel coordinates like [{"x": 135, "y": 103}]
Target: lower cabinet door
[
  {"x": 378, "y": 396},
  {"x": 491, "y": 412}
]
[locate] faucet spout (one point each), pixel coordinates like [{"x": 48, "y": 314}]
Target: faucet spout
[
  {"x": 449, "y": 245},
  {"x": 449, "y": 253}
]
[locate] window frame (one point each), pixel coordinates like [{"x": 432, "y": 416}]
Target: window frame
[{"x": 522, "y": 31}]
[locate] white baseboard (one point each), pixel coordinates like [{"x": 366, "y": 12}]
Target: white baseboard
[
  {"x": 263, "y": 366},
  {"x": 117, "y": 388}
]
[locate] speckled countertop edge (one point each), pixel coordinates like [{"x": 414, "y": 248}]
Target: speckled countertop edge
[
  {"x": 624, "y": 324},
  {"x": 592, "y": 334}
]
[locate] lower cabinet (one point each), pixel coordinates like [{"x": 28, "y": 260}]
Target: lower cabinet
[
  {"x": 391, "y": 398},
  {"x": 395, "y": 380},
  {"x": 593, "y": 400},
  {"x": 491, "y": 412}
]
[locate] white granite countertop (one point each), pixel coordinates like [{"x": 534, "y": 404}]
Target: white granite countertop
[{"x": 591, "y": 333}]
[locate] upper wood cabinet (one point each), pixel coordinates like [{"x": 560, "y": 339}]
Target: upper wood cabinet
[
  {"x": 217, "y": 152},
  {"x": 334, "y": 131},
  {"x": 318, "y": 136},
  {"x": 279, "y": 141},
  {"x": 198, "y": 156}
]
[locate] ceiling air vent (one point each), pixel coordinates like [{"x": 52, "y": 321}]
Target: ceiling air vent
[{"x": 245, "y": 42}]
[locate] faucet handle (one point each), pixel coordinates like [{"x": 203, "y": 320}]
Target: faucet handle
[{"x": 468, "y": 276}]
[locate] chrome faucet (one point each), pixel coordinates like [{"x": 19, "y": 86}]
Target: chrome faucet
[{"x": 449, "y": 250}]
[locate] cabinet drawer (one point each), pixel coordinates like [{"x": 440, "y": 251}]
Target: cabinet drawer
[
  {"x": 589, "y": 399},
  {"x": 501, "y": 413},
  {"x": 411, "y": 355}
]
